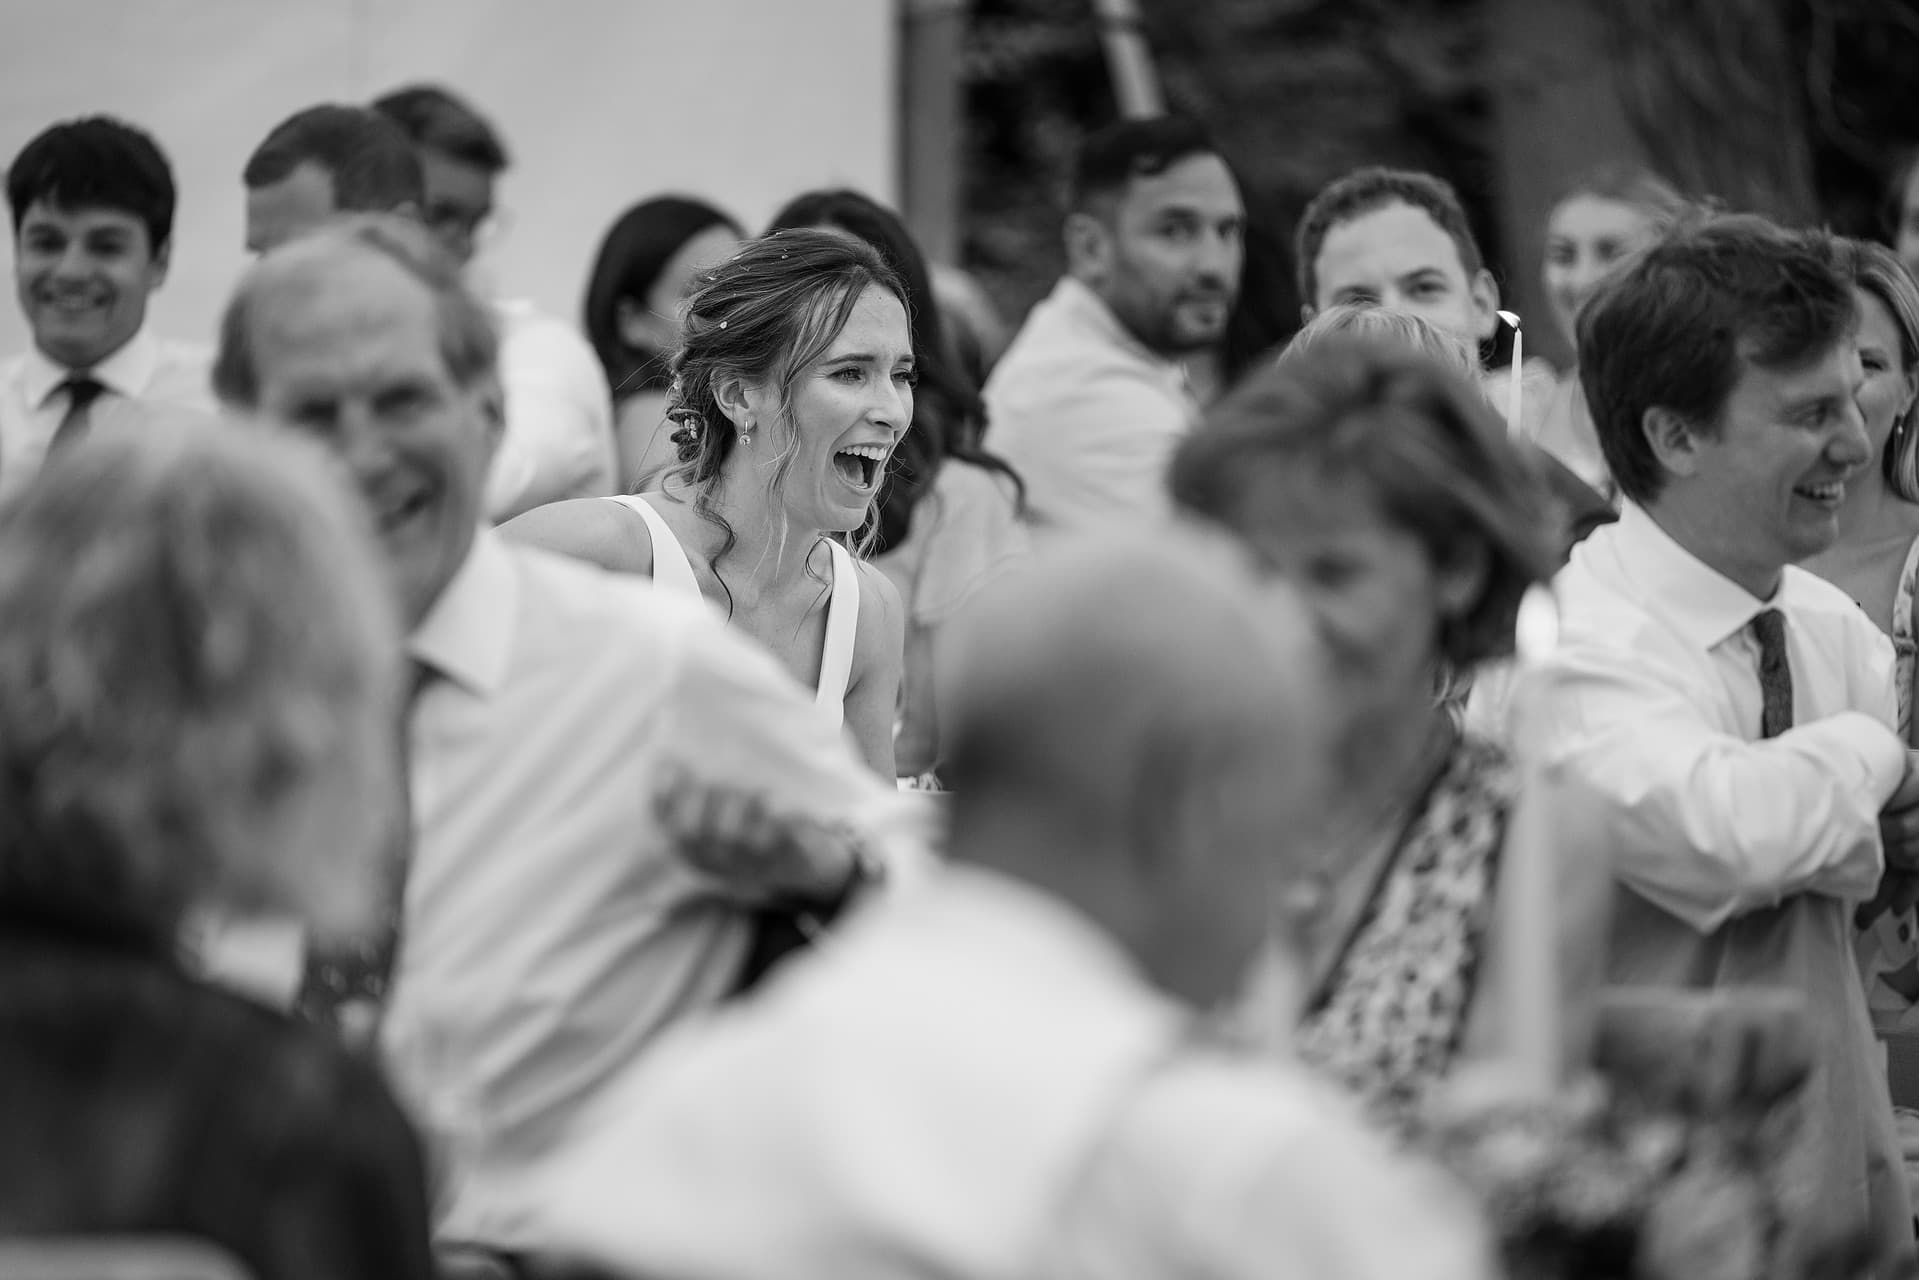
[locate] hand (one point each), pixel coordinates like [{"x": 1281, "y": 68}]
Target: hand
[
  {"x": 1899, "y": 820},
  {"x": 731, "y": 834}
]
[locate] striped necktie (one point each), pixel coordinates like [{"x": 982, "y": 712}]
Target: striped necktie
[{"x": 1775, "y": 673}]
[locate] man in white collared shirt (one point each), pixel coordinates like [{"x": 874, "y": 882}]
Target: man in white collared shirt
[
  {"x": 1001, "y": 1074},
  {"x": 1729, "y": 715},
  {"x": 1090, "y": 399},
  {"x": 559, "y": 410},
  {"x": 550, "y": 926},
  {"x": 92, "y": 202}
]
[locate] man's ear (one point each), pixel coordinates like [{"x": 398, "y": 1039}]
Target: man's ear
[
  {"x": 1674, "y": 440},
  {"x": 157, "y": 269},
  {"x": 1089, "y": 248},
  {"x": 1485, "y": 295}
]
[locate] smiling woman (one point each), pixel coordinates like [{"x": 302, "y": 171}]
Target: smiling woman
[{"x": 792, "y": 387}]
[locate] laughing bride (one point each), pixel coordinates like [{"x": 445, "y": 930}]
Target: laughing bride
[{"x": 792, "y": 386}]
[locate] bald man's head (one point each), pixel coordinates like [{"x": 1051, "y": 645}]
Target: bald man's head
[{"x": 1136, "y": 727}]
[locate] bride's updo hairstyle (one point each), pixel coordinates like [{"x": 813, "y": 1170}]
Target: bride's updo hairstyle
[{"x": 764, "y": 315}]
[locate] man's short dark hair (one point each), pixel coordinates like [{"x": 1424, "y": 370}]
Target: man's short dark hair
[
  {"x": 371, "y": 161},
  {"x": 1364, "y": 191},
  {"x": 437, "y": 120},
  {"x": 95, "y": 163},
  {"x": 1677, "y": 327},
  {"x": 1111, "y": 158}
]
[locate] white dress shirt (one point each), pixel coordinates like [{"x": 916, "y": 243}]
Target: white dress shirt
[
  {"x": 549, "y": 930},
  {"x": 147, "y": 379},
  {"x": 1741, "y": 858},
  {"x": 558, "y": 442},
  {"x": 1086, "y": 414},
  {"x": 974, "y": 1081}
]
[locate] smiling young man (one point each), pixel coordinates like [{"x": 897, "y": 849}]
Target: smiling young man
[
  {"x": 1091, "y": 398},
  {"x": 1730, "y": 715},
  {"x": 1399, "y": 239},
  {"x": 92, "y": 203}
]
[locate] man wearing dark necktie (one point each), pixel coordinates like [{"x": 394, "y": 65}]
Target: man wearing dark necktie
[
  {"x": 1732, "y": 715},
  {"x": 92, "y": 204}
]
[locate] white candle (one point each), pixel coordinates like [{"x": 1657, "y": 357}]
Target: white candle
[
  {"x": 1513, "y": 385},
  {"x": 1526, "y": 908}
]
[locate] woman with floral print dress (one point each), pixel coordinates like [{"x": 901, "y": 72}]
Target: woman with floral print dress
[{"x": 1378, "y": 485}]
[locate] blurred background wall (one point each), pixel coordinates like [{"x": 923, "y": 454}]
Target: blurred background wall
[{"x": 602, "y": 102}]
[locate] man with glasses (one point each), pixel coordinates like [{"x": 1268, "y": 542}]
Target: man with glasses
[{"x": 419, "y": 158}]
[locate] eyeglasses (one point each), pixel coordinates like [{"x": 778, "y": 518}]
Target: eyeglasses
[{"x": 467, "y": 230}]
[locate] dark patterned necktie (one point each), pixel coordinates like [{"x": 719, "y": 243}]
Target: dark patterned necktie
[
  {"x": 346, "y": 979},
  {"x": 82, "y": 390},
  {"x": 1775, "y": 674}
]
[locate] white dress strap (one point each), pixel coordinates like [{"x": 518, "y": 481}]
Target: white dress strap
[
  {"x": 671, "y": 569},
  {"x": 842, "y": 627}
]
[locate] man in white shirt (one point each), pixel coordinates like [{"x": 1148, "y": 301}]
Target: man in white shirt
[
  {"x": 559, "y": 410},
  {"x": 92, "y": 203},
  {"x": 1001, "y": 1074},
  {"x": 1091, "y": 398},
  {"x": 1729, "y": 716},
  {"x": 550, "y": 925}
]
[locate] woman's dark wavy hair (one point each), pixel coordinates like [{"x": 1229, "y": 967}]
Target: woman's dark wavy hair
[
  {"x": 636, "y": 249},
  {"x": 764, "y": 315},
  {"x": 1416, "y": 435},
  {"x": 948, "y": 415}
]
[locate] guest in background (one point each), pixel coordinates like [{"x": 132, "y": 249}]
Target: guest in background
[
  {"x": 949, "y": 514},
  {"x": 572, "y": 734},
  {"x": 197, "y": 685},
  {"x": 975, "y": 330},
  {"x": 559, "y": 426},
  {"x": 1601, "y": 219},
  {"x": 649, "y": 263},
  {"x": 1400, "y": 239},
  {"x": 792, "y": 388},
  {"x": 1092, "y": 397},
  {"x": 1730, "y": 718},
  {"x": 996, "y": 1075},
  {"x": 92, "y": 203},
  {"x": 324, "y": 161},
  {"x": 1876, "y": 557},
  {"x": 1379, "y": 485}
]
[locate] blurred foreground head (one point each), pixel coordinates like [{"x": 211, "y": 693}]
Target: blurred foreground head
[
  {"x": 1136, "y": 730},
  {"x": 197, "y": 668}
]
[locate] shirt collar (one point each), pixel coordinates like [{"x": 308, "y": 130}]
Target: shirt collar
[
  {"x": 128, "y": 371},
  {"x": 1090, "y": 311},
  {"x": 1706, "y": 606},
  {"x": 467, "y": 636}
]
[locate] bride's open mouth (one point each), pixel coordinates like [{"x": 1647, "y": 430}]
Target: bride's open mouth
[{"x": 859, "y": 465}]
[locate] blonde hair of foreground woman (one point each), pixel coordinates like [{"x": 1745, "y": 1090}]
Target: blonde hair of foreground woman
[{"x": 198, "y": 659}]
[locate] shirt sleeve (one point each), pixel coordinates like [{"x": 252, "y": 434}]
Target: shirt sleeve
[
  {"x": 558, "y": 441},
  {"x": 1703, "y": 824},
  {"x": 973, "y": 533},
  {"x": 736, "y": 718}
]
